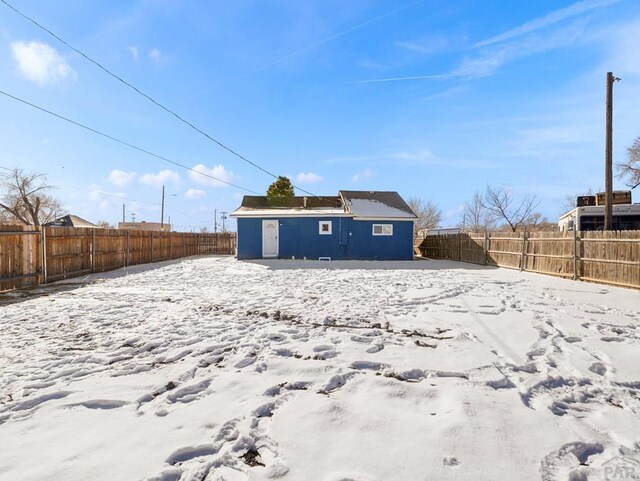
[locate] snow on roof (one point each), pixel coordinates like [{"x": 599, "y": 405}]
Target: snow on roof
[
  {"x": 376, "y": 204},
  {"x": 282, "y": 212},
  {"x": 364, "y": 204}
]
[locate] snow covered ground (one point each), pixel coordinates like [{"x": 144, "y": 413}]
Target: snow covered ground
[{"x": 217, "y": 369}]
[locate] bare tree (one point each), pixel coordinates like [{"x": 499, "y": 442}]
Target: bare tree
[
  {"x": 569, "y": 202},
  {"x": 475, "y": 217},
  {"x": 429, "y": 216},
  {"x": 539, "y": 223},
  {"x": 105, "y": 224},
  {"x": 25, "y": 198},
  {"x": 502, "y": 206},
  {"x": 631, "y": 168}
]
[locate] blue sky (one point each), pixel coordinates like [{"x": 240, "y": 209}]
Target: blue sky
[{"x": 433, "y": 98}]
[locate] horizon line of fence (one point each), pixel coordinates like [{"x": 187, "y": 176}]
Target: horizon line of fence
[
  {"x": 30, "y": 257},
  {"x": 605, "y": 257}
]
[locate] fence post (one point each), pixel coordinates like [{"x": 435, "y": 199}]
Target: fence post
[
  {"x": 44, "y": 253},
  {"x": 184, "y": 249},
  {"x": 151, "y": 246},
  {"x": 485, "y": 246},
  {"x": 576, "y": 276},
  {"x": 127, "y": 258},
  {"x": 93, "y": 251},
  {"x": 459, "y": 247},
  {"x": 523, "y": 257},
  {"x": 170, "y": 245}
]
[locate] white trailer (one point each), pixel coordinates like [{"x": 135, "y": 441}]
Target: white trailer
[{"x": 625, "y": 217}]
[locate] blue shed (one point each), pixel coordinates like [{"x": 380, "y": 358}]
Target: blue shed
[{"x": 353, "y": 225}]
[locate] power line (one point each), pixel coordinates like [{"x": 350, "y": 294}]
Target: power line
[
  {"x": 110, "y": 137},
  {"x": 148, "y": 97}
]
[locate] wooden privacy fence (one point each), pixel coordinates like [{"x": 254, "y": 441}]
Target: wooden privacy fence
[
  {"x": 30, "y": 257},
  {"x": 610, "y": 257}
]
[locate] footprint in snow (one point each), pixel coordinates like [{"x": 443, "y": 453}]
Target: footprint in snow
[
  {"x": 101, "y": 404},
  {"x": 375, "y": 348},
  {"x": 450, "y": 461},
  {"x": 322, "y": 347},
  {"x": 188, "y": 393},
  {"x": 374, "y": 366},
  {"x": 185, "y": 454},
  {"x": 247, "y": 361},
  {"x": 337, "y": 382}
]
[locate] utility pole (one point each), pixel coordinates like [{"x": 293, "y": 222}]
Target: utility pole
[
  {"x": 608, "y": 155},
  {"x": 223, "y": 214},
  {"x": 162, "y": 211},
  {"x": 123, "y": 219},
  {"x": 215, "y": 221}
]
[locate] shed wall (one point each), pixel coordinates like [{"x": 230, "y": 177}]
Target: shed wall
[{"x": 349, "y": 239}]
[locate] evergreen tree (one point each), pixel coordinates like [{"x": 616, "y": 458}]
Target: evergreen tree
[{"x": 280, "y": 188}]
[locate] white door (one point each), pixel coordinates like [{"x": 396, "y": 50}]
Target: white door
[{"x": 269, "y": 238}]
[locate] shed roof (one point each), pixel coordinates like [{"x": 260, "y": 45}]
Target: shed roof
[
  {"x": 379, "y": 205},
  {"x": 264, "y": 202},
  {"x": 298, "y": 206},
  {"x": 352, "y": 203}
]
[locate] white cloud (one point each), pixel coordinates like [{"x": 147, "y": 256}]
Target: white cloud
[
  {"x": 308, "y": 178},
  {"x": 556, "y": 16},
  {"x": 163, "y": 177},
  {"x": 491, "y": 59},
  {"x": 195, "y": 194},
  {"x": 120, "y": 178},
  {"x": 360, "y": 176},
  {"x": 218, "y": 171},
  {"x": 155, "y": 55},
  {"x": 422, "y": 155},
  {"x": 41, "y": 63},
  {"x": 134, "y": 52},
  {"x": 427, "y": 44}
]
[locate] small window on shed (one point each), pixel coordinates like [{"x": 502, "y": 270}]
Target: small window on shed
[
  {"x": 382, "y": 229},
  {"x": 325, "y": 227}
]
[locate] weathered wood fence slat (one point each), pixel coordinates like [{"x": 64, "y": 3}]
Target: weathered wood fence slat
[
  {"x": 610, "y": 257},
  {"x": 29, "y": 257}
]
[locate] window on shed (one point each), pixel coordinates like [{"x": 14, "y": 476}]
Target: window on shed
[
  {"x": 382, "y": 229},
  {"x": 324, "y": 227}
]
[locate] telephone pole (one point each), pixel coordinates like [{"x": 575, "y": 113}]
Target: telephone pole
[
  {"x": 223, "y": 214},
  {"x": 162, "y": 211},
  {"x": 608, "y": 155}
]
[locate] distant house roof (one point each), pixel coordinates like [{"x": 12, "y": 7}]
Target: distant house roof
[
  {"x": 352, "y": 203},
  {"x": 71, "y": 220},
  {"x": 376, "y": 205}
]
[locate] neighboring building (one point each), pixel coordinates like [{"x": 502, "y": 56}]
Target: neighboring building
[
  {"x": 71, "y": 220},
  {"x": 152, "y": 226},
  {"x": 353, "y": 225},
  {"x": 589, "y": 213},
  {"x": 625, "y": 217}
]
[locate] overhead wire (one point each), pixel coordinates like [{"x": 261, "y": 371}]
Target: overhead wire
[
  {"x": 148, "y": 97},
  {"x": 123, "y": 142}
]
